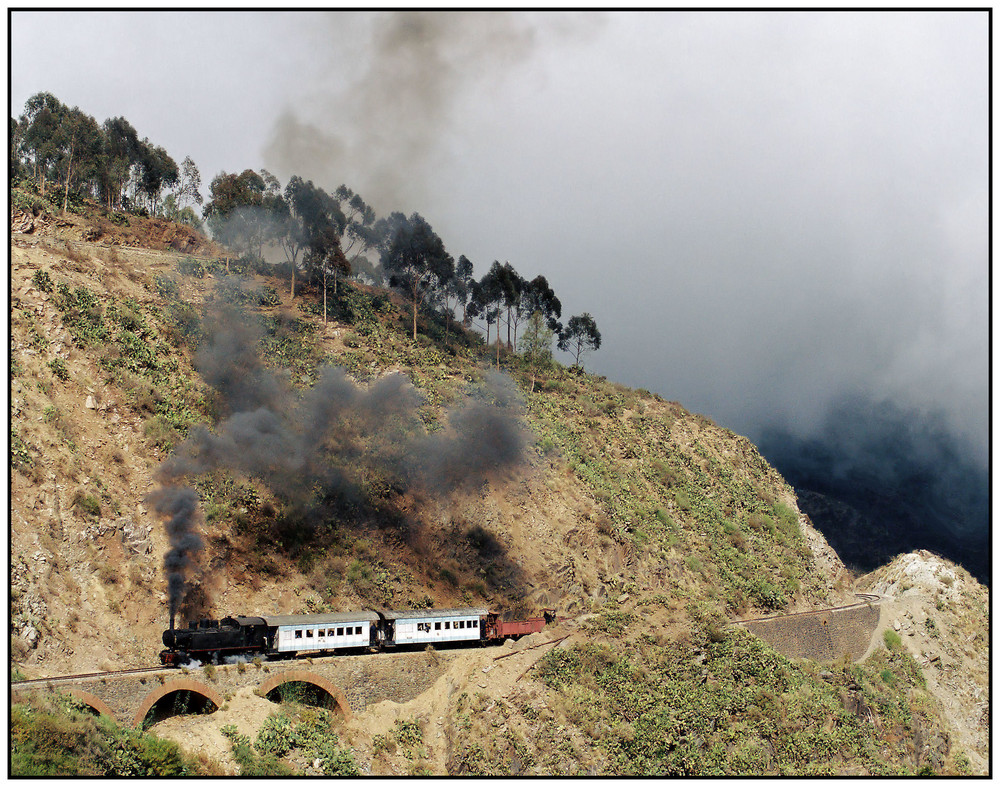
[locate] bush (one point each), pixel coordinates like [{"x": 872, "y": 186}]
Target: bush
[
  {"x": 191, "y": 267},
  {"x": 161, "y": 433},
  {"x": 275, "y": 736},
  {"x": 58, "y": 367},
  {"x": 57, "y": 737},
  {"x": 87, "y": 504},
  {"x": 167, "y": 288},
  {"x": 42, "y": 280},
  {"x": 892, "y": 640}
]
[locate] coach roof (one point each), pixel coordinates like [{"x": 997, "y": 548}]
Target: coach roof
[
  {"x": 423, "y": 614},
  {"x": 326, "y": 618}
]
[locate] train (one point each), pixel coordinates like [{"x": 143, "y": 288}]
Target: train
[{"x": 291, "y": 636}]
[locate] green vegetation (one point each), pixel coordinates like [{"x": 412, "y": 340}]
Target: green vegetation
[
  {"x": 308, "y": 730},
  {"x": 42, "y": 280},
  {"x": 57, "y": 736},
  {"x": 682, "y": 708},
  {"x": 129, "y": 350},
  {"x": 700, "y": 526}
]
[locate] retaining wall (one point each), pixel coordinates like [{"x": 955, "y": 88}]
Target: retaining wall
[{"x": 821, "y": 636}]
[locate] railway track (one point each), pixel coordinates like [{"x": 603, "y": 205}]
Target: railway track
[
  {"x": 64, "y": 678},
  {"x": 866, "y": 598}
]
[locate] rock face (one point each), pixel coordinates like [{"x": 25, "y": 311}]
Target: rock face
[
  {"x": 21, "y": 221},
  {"x": 942, "y": 615},
  {"x": 136, "y": 538}
]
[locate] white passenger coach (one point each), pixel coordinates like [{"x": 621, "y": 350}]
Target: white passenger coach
[
  {"x": 331, "y": 631},
  {"x": 420, "y": 626}
]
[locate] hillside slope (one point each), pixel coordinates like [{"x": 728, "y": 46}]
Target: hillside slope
[{"x": 646, "y": 526}]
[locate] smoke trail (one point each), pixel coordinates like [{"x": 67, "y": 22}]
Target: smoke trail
[
  {"x": 179, "y": 505},
  {"x": 324, "y": 439},
  {"x": 382, "y": 133},
  {"x": 483, "y": 441}
]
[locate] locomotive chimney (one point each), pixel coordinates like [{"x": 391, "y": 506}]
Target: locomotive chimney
[{"x": 172, "y": 613}]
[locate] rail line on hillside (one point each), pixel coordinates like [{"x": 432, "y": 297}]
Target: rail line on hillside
[
  {"x": 866, "y": 599},
  {"x": 64, "y": 678}
]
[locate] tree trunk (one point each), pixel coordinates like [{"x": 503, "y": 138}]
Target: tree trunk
[
  {"x": 414, "y": 316},
  {"x": 498, "y": 340},
  {"x": 69, "y": 175},
  {"x": 293, "y": 278},
  {"x": 324, "y": 296}
]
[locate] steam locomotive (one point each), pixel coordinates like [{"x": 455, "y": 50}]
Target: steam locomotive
[{"x": 288, "y": 636}]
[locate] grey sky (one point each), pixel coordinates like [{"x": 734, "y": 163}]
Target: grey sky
[{"x": 761, "y": 210}]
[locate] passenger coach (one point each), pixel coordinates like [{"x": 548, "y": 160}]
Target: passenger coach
[{"x": 432, "y": 626}]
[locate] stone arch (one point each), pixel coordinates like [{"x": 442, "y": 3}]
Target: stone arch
[
  {"x": 93, "y": 701},
  {"x": 178, "y": 684},
  {"x": 304, "y": 676}
]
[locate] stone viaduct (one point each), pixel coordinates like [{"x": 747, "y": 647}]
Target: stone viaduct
[
  {"x": 823, "y": 635},
  {"x": 352, "y": 682}
]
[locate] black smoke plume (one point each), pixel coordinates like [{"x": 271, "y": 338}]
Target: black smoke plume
[
  {"x": 483, "y": 441},
  {"x": 326, "y": 438},
  {"x": 178, "y": 505}
]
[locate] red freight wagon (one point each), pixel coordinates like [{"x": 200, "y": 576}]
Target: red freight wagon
[{"x": 495, "y": 628}]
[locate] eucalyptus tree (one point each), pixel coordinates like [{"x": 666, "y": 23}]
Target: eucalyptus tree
[
  {"x": 157, "y": 171},
  {"x": 79, "y": 143},
  {"x": 188, "y": 185},
  {"x": 536, "y": 344},
  {"x": 539, "y": 297},
  {"x": 40, "y": 121},
  {"x": 242, "y": 209},
  {"x": 415, "y": 259},
  {"x": 459, "y": 287},
  {"x": 326, "y": 255},
  {"x": 580, "y": 336},
  {"x": 488, "y": 298},
  {"x": 361, "y": 233},
  {"x": 122, "y": 150}
]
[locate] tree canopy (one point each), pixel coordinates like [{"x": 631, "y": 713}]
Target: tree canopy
[
  {"x": 580, "y": 336},
  {"x": 415, "y": 259},
  {"x": 62, "y": 150}
]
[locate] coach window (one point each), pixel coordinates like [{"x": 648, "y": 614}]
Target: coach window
[
  {"x": 447, "y": 624},
  {"x": 309, "y": 633},
  {"x": 475, "y": 623},
  {"x": 437, "y": 625},
  {"x": 298, "y": 633}
]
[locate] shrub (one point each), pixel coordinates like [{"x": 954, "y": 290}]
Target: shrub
[
  {"x": 161, "y": 433},
  {"x": 42, "y": 280},
  {"x": 87, "y": 504},
  {"x": 275, "y": 736},
  {"x": 167, "y": 288},
  {"x": 191, "y": 267},
  {"x": 767, "y": 594},
  {"x": 892, "y": 640},
  {"x": 408, "y": 733},
  {"x": 58, "y": 367}
]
